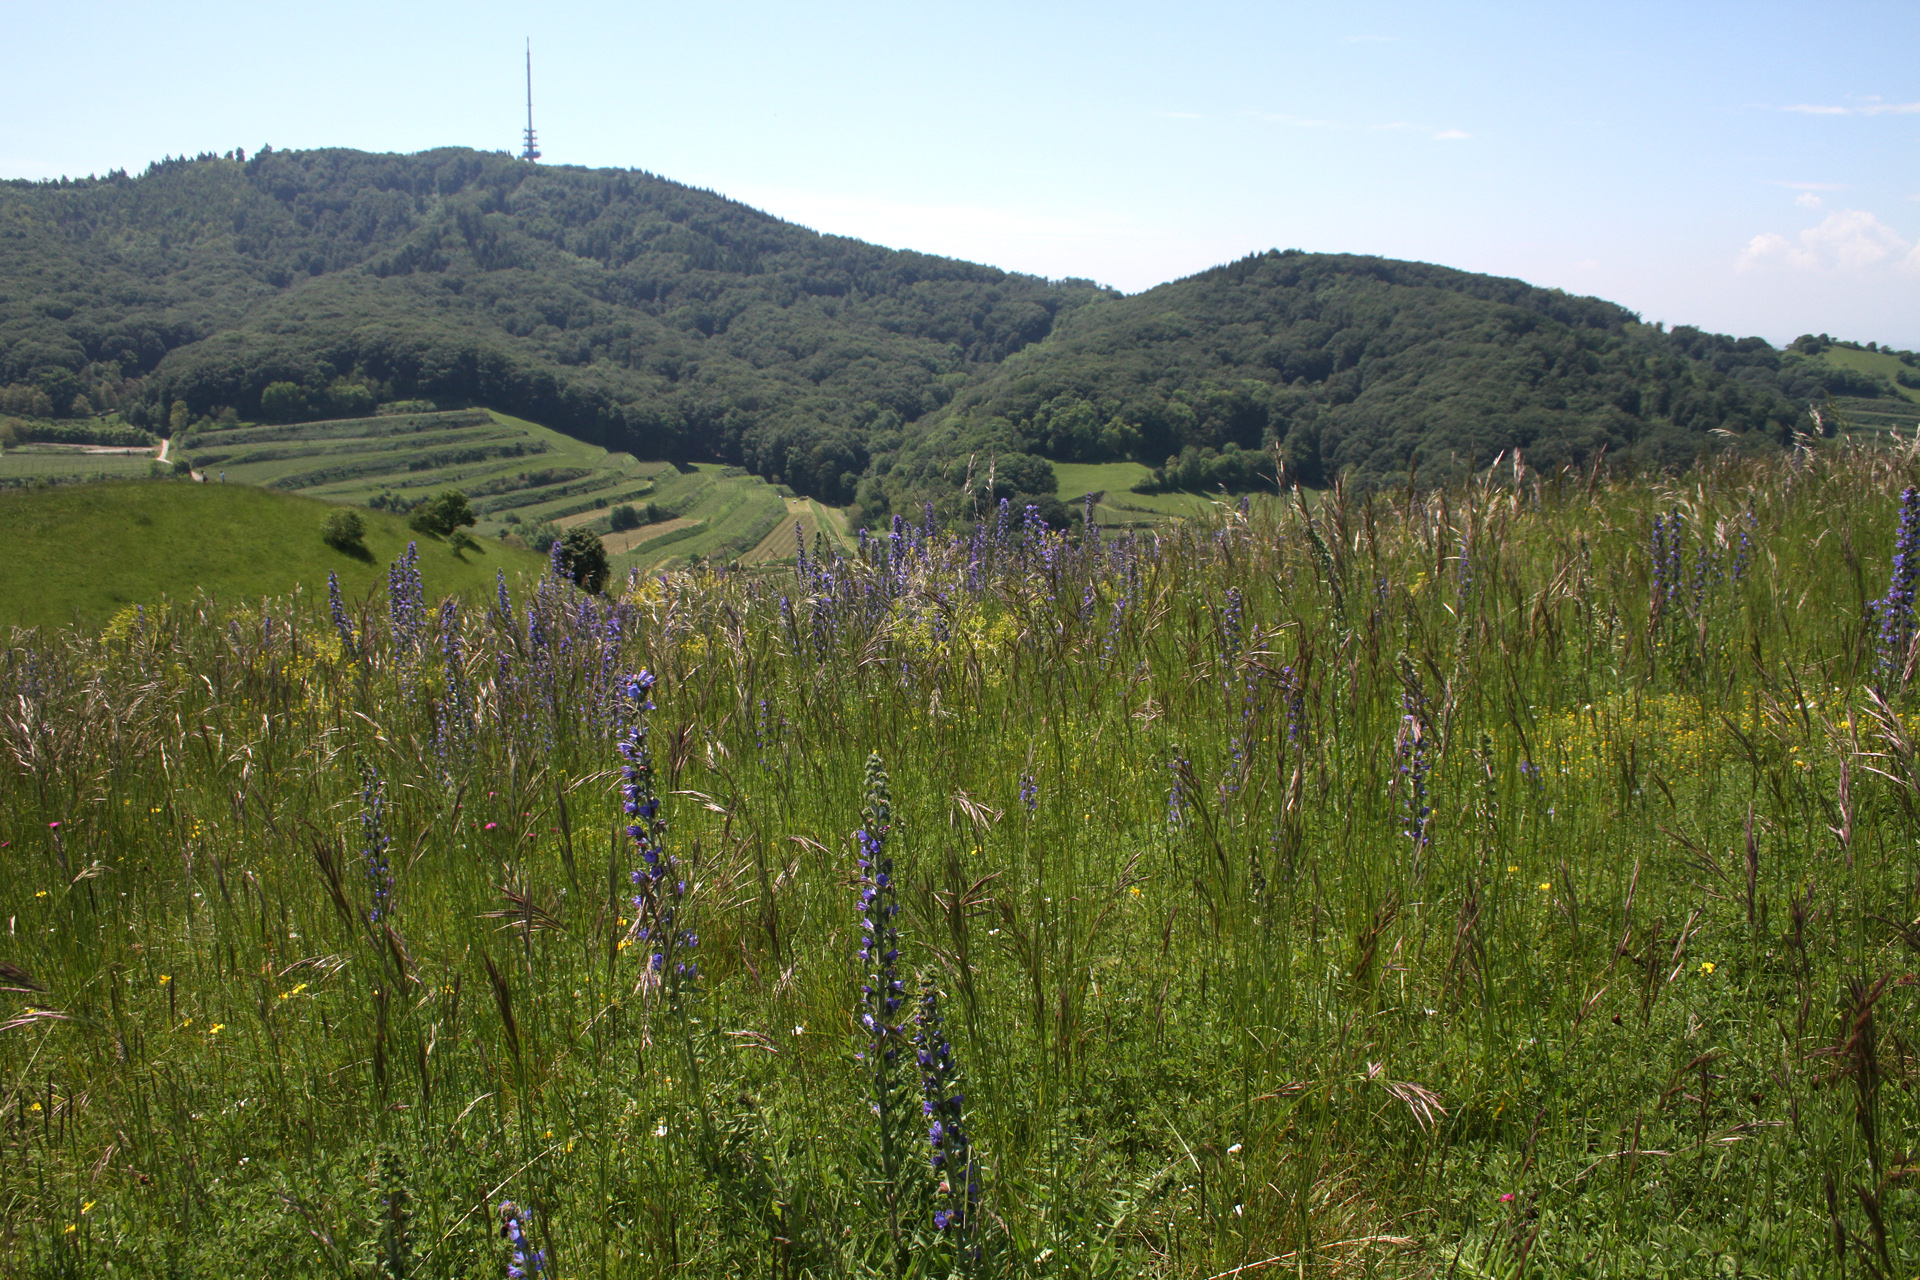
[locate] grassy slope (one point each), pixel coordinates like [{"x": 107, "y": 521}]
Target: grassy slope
[
  {"x": 1886, "y": 365},
  {"x": 1121, "y": 506},
  {"x": 86, "y": 551}
]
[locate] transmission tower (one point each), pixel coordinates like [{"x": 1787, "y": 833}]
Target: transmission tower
[{"x": 532, "y": 150}]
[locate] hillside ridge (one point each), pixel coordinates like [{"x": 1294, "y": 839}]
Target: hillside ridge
[{"x": 652, "y": 318}]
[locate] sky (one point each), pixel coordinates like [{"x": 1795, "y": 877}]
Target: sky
[{"x": 1750, "y": 168}]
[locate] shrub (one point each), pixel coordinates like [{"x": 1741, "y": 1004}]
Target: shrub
[
  {"x": 584, "y": 559},
  {"x": 623, "y": 517},
  {"x": 344, "y": 529},
  {"x": 443, "y": 513},
  {"x": 542, "y": 536}
]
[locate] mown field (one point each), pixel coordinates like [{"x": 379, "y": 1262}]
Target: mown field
[
  {"x": 26, "y": 465},
  {"x": 1469, "y": 882},
  {"x": 1119, "y": 507},
  {"x": 81, "y": 553}
]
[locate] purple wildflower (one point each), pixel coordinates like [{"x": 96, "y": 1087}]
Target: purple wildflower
[
  {"x": 950, "y": 1153},
  {"x": 882, "y": 994},
  {"x": 659, "y": 906},
  {"x": 406, "y": 600},
  {"x": 338, "y": 607},
  {"x": 374, "y": 842},
  {"x": 526, "y": 1261},
  {"x": 1895, "y": 611}
]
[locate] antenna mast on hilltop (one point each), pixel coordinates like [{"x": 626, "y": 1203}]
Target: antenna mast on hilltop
[{"x": 532, "y": 150}]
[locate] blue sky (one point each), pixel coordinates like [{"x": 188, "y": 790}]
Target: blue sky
[{"x": 1751, "y": 168}]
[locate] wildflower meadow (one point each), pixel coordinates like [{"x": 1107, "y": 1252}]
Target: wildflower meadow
[{"x": 1514, "y": 877}]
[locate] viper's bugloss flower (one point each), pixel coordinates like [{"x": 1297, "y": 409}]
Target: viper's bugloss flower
[
  {"x": 1895, "y": 611},
  {"x": 949, "y": 1152},
  {"x": 374, "y": 842},
  {"x": 659, "y": 906},
  {"x": 524, "y": 1261},
  {"x": 1180, "y": 767},
  {"x": 338, "y": 608},
  {"x": 878, "y": 1009},
  {"x": 406, "y": 600}
]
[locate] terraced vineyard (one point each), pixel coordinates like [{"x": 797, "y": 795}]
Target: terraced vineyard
[{"x": 519, "y": 475}]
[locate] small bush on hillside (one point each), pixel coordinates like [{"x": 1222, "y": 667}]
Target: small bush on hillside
[
  {"x": 584, "y": 559},
  {"x": 623, "y": 517},
  {"x": 344, "y": 530},
  {"x": 542, "y": 536},
  {"x": 443, "y": 513}
]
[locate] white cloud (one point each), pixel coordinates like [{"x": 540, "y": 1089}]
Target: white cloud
[
  {"x": 1298, "y": 122},
  {"x": 1848, "y": 240},
  {"x": 1386, "y": 126},
  {"x": 1808, "y": 200},
  {"x": 1866, "y": 107}
]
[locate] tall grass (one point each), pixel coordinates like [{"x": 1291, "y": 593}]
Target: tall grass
[{"x": 1457, "y": 882}]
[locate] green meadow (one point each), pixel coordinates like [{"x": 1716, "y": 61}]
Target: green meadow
[
  {"x": 81, "y": 553},
  {"x": 1501, "y": 879}
]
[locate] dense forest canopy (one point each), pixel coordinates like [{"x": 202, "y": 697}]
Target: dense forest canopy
[
  {"x": 671, "y": 322},
  {"x": 1365, "y": 367},
  {"x": 616, "y": 305}
]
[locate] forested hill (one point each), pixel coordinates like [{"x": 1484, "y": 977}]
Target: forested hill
[
  {"x": 1362, "y": 366},
  {"x": 648, "y": 316},
  {"x": 630, "y": 310}
]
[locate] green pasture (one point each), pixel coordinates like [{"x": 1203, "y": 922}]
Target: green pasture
[
  {"x": 80, "y": 553},
  {"x": 1884, "y": 363},
  {"x": 29, "y": 464}
]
